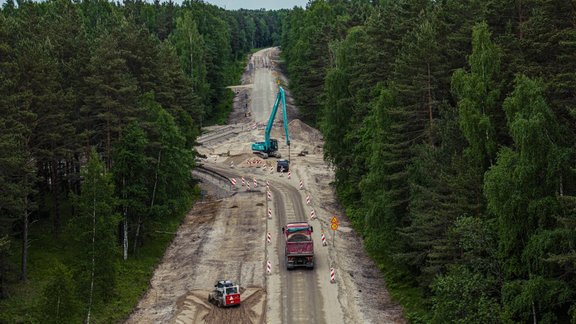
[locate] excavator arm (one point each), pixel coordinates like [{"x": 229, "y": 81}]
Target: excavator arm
[{"x": 270, "y": 146}]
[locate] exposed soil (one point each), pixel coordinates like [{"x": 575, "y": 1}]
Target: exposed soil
[{"x": 225, "y": 238}]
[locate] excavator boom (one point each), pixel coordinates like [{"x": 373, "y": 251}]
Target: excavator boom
[{"x": 270, "y": 146}]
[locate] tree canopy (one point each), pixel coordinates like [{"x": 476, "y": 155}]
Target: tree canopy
[{"x": 450, "y": 125}]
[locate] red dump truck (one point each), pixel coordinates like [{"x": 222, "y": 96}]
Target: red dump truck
[{"x": 299, "y": 251}]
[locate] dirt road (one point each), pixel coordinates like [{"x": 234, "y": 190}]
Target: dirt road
[{"x": 224, "y": 237}]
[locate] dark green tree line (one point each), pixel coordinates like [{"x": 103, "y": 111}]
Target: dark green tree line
[
  {"x": 121, "y": 89},
  {"x": 451, "y": 127}
]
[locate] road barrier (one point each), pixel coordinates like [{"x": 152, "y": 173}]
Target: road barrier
[
  {"x": 301, "y": 185},
  {"x": 233, "y": 181},
  {"x": 247, "y": 185},
  {"x": 271, "y": 169},
  {"x": 312, "y": 214},
  {"x": 332, "y": 276},
  {"x": 269, "y": 267},
  {"x": 323, "y": 239},
  {"x": 308, "y": 199},
  {"x": 289, "y": 174},
  {"x": 269, "y": 195},
  {"x": 268, "y": 237},
  {"x": 270, "y": 213},
  {"x": 243, "y": 182},
  {"x": 255, "y": 183},
  {"x": 232, "y": 164}
]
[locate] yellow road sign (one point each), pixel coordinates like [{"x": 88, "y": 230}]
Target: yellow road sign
[
  {"x": 334, "y": 226},
  {"x": 334, "y": 220}
]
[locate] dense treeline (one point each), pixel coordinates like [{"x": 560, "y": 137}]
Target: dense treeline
[
  {"x": 451, "y": 125},
  {"x": 100, "y": 104}
]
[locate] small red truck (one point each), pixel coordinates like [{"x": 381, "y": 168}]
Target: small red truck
[{"x": 299, "y": 250}]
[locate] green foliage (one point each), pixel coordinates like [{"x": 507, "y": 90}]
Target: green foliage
[
  {"x": 532, "y": 163},
  {"x": 130, "y": 163},
  {"x": 451, "y": 186},
  {"x": 534, "y": 298},
  {"x": 478, "y": 96},
  {"x": 77, "y": 76},
  {"x": 94, "y": 230},
  {"x": 60, "y": 304},
  {"x": 463, "y": 296}
]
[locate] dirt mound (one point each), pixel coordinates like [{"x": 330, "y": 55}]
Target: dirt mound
[
  {"x": 300, "y": 131},
  {"x": 239, "y": 159}
]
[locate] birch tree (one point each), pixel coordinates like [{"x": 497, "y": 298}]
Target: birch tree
[
  {"x": 130, "y": 164},
  {"x": 94, "y": 228}
]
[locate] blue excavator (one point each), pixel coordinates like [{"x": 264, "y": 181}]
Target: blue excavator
[{"x": 270, "y": 145}]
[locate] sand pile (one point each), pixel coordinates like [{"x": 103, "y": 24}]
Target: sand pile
[{"x": 302, "y": 132}]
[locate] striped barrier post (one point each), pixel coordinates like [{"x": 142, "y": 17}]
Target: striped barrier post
[
  {"x": 301, "y": 185},
  {"x": 255, "y": 183},
  {"x": 269, "y": 195},
  {"x": 332, "y": 276},
  {"x": 233, "y": 181},
  {"x": 243, "y": 182},
  {"x": 308, "y": 199},
  {"x": 312, "y": 214},
  {"x": 269, "y": 267},
  {"x": 268, "y": 237},
  {"x": 270, "y": 213},
  {"x": 323, "y": 239},
  {"x": 289, "y": 174},
  {"x": 247, "y": 185}
]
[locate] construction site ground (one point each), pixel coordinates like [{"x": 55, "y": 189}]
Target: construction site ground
[{"x": 225, "y": 235}]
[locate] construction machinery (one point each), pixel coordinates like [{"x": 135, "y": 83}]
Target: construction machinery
[
  {"x": 283, "y": 166},
  {"x": 299, "y": 249},
  {"x": 225, "y": 294},
  {"x": 270, "y": 145}
]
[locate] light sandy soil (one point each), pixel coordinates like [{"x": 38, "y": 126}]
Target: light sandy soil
[{"x": 224, "y": 236}]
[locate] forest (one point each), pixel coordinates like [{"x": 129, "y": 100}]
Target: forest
[
  {"x": 100, "y": 106},
  {"x": 451, "y": 127}
]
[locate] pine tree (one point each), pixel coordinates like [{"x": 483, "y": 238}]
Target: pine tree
[
  {"x": 111, "y": 103},
  {"x": 340, "y": 119},
  {"x": 310, "y": 56}
]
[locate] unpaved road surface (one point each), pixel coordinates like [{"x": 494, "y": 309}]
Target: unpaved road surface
[{"x": 225, "y": 235}]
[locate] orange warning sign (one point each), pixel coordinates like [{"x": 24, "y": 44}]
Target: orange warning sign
[
  {"x": 334, "y": 220},
  {"x": 334, "y": 226}
]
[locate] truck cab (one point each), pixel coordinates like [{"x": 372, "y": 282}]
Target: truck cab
[{"x": 299, "y": 249}]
